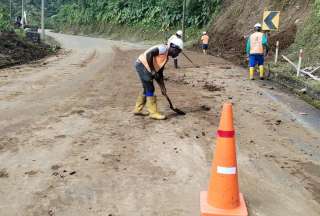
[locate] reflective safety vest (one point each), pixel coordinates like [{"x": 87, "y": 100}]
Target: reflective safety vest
[
  {"x": 256, "y": 46},
  {"x": 158, "y": 61}
]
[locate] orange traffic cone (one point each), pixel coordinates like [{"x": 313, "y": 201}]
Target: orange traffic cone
[{"x": 223, "y": 197}]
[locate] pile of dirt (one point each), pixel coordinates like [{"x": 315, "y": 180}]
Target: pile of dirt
[
  {"x": 229, "y": 32},
  {"x": 15, "y": 50},
  {"x": 211, "y": 87}
]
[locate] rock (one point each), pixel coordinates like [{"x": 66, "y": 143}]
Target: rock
[
  {"x": 303, "y": 91},
  {"x": 4, "y": 173},
  {"x": 79, "y": 112},
  {"x": 302, "y": 113},
  {"x": 31, "y": 173},
  {"x": 55, "y": 167},
  {"x": 51, "y": 212},
  {"x": 60, "y": 136},
  {"x": 278, "y": 122},
  {"x": 205, "y": 108},
  {"x": 72, "y": 173},
  {"x": 225, "y": 67}
]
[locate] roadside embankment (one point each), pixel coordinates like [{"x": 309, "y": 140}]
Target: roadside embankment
[
  {"x": 299, "y": 29},
  {"x": 15, "y": 49},
  {"x": 306, "y": 88}
]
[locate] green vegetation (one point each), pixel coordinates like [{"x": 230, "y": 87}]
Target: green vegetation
[
  {"x": 308, "y": 39},
  {"x": 33, "y": 9},
  {"x": 149, "y": 15},
  {"x": 88, "y": 16},
  {"x": 4, "y": 20}
]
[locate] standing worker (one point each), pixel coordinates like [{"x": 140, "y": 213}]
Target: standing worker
[
  {"x": 150, "y": 66},
  {"x": 177, "y": 35},
  {"x": 255, "y": 50},
  {"x": 205, "y": 42}
]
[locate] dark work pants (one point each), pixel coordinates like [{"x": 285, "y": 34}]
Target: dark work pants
[{"x": 146, "y": 79}]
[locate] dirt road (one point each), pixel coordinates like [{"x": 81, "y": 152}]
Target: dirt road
[{"x": 69, "y": 144}]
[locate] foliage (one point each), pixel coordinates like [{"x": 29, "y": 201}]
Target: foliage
[
  {"x": 317, "y": 9},
  {"x": 155, "y": 14},
  {"x": 4, "y": 20},
  {"x": 308, "y": 38},
  {"x": 33, "y": 9}
]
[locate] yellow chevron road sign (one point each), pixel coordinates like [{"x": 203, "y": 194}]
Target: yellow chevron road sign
[{"x": 271, "y": 20}]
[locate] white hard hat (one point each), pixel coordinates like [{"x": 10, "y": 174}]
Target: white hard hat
[
  {"x": 257, "y": 25},
  {"x": 204, "y": 32},
  {"x": 179, "y": 32},
  {"x": 177, "y": 42}
]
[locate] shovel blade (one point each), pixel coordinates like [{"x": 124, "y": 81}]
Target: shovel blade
[{"x": 179, "y": 112}]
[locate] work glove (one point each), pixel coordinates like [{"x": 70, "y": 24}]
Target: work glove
[
  {"x": 158, "y": 76},
  {"x": 153, "y": 73}
]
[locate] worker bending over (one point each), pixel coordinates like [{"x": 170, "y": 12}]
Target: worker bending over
[
  {"x": 150, "y": 65},
  {"x": 255, "y": 50},
  {"x": 173, "y": 37}
]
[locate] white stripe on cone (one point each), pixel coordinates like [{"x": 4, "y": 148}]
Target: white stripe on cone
[{"x": 227, "y": 170}]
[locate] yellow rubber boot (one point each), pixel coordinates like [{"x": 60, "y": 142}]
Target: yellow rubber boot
[
  {"x": 140, "y": 103},
  {"x": 261, "y": 70},
  {"x": 251, "y": 73},
  {"x": 153, "y": 109}
]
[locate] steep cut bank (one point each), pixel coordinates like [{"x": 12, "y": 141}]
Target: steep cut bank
[
  {"x": 299, "y": 29},
  {"x": 237, "y": 19}
]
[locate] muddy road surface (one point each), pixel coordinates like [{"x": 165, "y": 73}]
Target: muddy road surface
[{"x": 69, "y": 144}]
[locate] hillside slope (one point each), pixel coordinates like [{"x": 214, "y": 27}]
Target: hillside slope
[
  {"x": 238, "y": 18},
  {"x": 299, "y": 29}
]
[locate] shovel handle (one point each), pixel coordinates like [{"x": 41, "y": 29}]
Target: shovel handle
[
  {"x": 188, "y": 59},
  {"x": 164, "y": 92}
]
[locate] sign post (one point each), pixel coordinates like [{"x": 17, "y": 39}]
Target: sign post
[
  {"x": 299, "y": 63},
  {"x": 277, "y": 53},
  {"x": 22, "y": 14},
  {"x": 42, "y": 21}
]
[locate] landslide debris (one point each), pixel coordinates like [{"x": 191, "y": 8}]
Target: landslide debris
[{"x": 16, "y": 50}]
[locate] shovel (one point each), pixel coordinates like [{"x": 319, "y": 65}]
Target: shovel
[
  {"x": 196, "y": 66},
  {"x": 164, "y": 93}
]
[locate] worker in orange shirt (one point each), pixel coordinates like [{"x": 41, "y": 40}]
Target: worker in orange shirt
[
  {"x": 150, "y": 66},
  {"x": 205, "y": 42}
]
